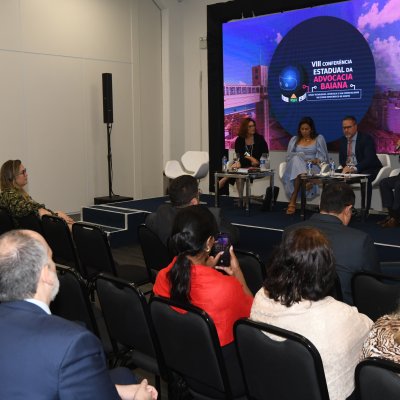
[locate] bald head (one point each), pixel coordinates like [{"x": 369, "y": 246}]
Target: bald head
[{"x": 23, "y": 255}]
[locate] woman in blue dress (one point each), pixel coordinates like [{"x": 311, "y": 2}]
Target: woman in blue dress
[{"x": 308, "y": 145}]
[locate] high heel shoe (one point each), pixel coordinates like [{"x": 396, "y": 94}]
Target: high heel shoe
[{"x": 291, "y": 209}]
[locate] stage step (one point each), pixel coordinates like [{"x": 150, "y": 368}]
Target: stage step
[{"x": 119, "y": 223}]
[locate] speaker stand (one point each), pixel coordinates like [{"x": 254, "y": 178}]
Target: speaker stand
[{"x": 111, "y": 198}]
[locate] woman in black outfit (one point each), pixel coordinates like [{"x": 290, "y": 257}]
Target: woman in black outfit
[{"x": 249, "y": 147}]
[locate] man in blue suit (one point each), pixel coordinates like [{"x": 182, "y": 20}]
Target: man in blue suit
[
  {"x": 361, "y": 148},
  {"x": 44, "y": 356}
]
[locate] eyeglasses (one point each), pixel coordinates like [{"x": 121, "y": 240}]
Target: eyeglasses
[
  {"x": 347, "y": 127},
  {"x": 23, "y": 172}
]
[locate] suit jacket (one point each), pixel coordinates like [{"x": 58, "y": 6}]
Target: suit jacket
[
  {"x": 161, "y": 221},
  {"x": 367, "y": 159},
  {"x": 354, "y": 250},
  {"x": 44, "y": 357}
]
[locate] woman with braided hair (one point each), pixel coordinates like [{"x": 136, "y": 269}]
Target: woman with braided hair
[
  {"x": 193, "y": 277},
  {"x": 296, "y": 297}
]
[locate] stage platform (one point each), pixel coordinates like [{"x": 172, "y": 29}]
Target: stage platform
[{"x": 259, "y": 231}]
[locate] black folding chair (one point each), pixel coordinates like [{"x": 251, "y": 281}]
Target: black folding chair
[
  {"x": 278, "y": 370},
  {"x": 253, "y": 269},
  {"x": 95, "y": 255},
  {"x": 58, "y": 236},
  {"x": 72, "y": 301},
  {"x": 6, "y": 222},
  {"x": 375, "y": 294},
  {"x": 127, "y": 317},
  {"x": 30, "y": 221},
  {"x": 155, "y": 253},
  {"x": 377, "y": 379},
  {"x": 190, "y": 348}
]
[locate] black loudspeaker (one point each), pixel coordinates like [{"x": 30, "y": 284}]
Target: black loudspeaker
[{"x": 107, "y": 98}]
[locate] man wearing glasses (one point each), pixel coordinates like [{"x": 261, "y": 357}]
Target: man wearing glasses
[
  {"x": 357, "y": 154},
  {"x": 354, "y": 250}
]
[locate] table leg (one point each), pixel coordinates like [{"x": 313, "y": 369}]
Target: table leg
[
  {"x": 247, "y": 183},
  {"x": 216, "y": 190},
  {"x": 272, "y": 186},
  {"x": 303, "y": 184}
]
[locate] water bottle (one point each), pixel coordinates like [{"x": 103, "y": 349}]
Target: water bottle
[
  {"x": 309, "y": 168},
  {"x": 268, "y": 162},
  {"x": 263, "y": 162},
  {"x": 332, "y": 167},
  {"x": 224, "y": 164}
]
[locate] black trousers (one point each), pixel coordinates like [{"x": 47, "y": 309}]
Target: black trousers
[{"x": 390, "y": 192}]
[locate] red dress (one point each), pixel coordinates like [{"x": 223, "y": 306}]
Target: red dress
[{"x": 220, "y": 296}]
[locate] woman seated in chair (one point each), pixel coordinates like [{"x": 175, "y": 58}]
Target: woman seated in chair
[
  {"x": 192, "y": 277},
  {"x": 295, "y": 297},
  {"x": 249, "y": 147},
  {"x": 308, "y": 145},
  {"x": 14, "y": 198},
  {"x": 384, "y": 339}
]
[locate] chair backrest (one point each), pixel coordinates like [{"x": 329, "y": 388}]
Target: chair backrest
[
  {"x": 6, "y": 222},
  {"x": 190, "y": 347},
  {"x": 253, "y": 269},
  {"x": 375, "y": 294},
  {"x": 384, "y": 159},
  {"x": 394, "y": 172},
  {"x": 30, "y": 221},
  {"x": 282, "y": 167},
  {"x": 377, "y": 379},
  {"x": 93, "y": 249},
  {"x": 59, "y": 238},
  {"x": 276, "y": 369},
  {"x": 191, "y": 160},
  {"x": 155, "y": 254},
  {"x": 173, "y": 169},
  {"x": 72, "y": 301},
  {"x": 127, "y": 317}
]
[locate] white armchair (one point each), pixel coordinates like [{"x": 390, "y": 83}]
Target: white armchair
[
  {"x": 194, "y": 163},
  {"x": 384, "y": 172},
  {"x": 394, "y": 172}
]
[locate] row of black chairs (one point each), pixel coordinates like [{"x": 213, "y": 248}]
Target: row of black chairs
[
  {"x": 167, "y": 343},
  {"x": 87, "y": 249}
]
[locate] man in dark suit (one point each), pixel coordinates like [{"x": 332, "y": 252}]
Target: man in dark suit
[
  {"x": 353, "y": 249},
  {"x": 44, "y": 356},
  {"x": 184, "y": 191},
  {"x": 361, "y": 148}
]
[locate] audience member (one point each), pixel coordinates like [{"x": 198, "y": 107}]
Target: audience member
[
  {"x": 295, "y": 297},
  {"x": 354, "y": 250},
  {"x": 44, "y": 356},
  {"x": 306, "y": 146},
  {"x": 183, "y": 191},
  {"x": 390, "y": 194},
  {"x": 359, "y": 149},
  {"x": 384, "y": 339},
  {"x": 192, "y": 278},
  {"x": 14, "y": 198}
]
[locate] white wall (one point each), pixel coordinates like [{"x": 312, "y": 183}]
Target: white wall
[{"x": 52, "y": 54}]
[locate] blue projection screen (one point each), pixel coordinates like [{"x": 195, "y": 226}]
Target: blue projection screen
[{"x": 325, "y": 62}]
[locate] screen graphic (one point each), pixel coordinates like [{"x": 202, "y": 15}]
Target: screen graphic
[{"x": 324, "y": 62}]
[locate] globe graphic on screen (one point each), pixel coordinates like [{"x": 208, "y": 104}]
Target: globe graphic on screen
[{"x": 289, "y": 78}]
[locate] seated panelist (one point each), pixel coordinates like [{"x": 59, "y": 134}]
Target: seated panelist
[{"x": 308, "y": 145}]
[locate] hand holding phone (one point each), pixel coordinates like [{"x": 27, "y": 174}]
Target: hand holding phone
[{"x": 222, "y": 243}]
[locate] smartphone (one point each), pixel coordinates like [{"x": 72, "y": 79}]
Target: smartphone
[{"x": 222, "y": 243}]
